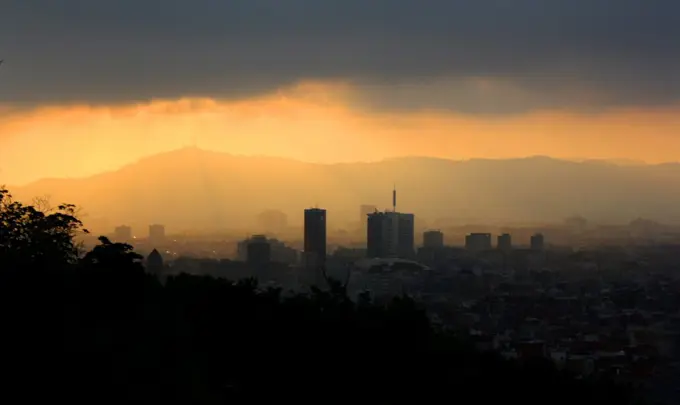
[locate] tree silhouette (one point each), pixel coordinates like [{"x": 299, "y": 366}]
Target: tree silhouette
[
  {"x": 113, "y": 255},
  {"x": 29, "y": 236}
]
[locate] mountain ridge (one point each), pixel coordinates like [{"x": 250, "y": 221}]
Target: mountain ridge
[
  {"x": 191, "y": 149},
  {"x": 191, "y": 187}
]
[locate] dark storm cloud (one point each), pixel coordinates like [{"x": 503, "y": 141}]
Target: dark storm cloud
[{"x": 624, "y": 52}]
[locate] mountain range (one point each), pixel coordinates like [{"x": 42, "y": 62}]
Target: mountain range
[{"x": 198, "y": 189}]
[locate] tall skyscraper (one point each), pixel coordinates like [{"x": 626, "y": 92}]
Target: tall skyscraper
[
  {"x": 157, "y": 234},
  {"x": 379, "y": 237},
  {"x": 406, "y": 236},
  {"x": 537, "y": 241},
  {"x": 390, "y": 234},
  {"x": 315, "y": 238}
]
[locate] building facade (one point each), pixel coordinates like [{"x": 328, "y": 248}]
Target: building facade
[
  {"x": 504, "y": 242},
  {"x": 314, "y": 254},
  {"x": 478, "y": 241},
  {"x": 537, "y": 241},
  {"x": 259, "y": 251},
  {"x": 390, "y": 234},
  {"x": 433, "y": 239},
  {"x": 364, "y": 211}
]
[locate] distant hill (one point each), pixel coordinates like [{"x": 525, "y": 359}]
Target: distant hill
[
  {"x": 193, "y": 188},
  {"x": 616, "y": 162}
]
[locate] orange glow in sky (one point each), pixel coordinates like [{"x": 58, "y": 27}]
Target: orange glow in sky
[{"x": 315, "y": 122}]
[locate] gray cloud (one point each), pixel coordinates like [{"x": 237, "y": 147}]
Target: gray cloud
[{"x": 626, "y": 52}]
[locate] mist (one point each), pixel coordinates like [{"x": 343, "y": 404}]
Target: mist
[{"x": 194, "y": 189}]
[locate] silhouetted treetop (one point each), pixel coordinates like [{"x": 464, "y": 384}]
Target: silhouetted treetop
[
  {"x": 29, "y": 235},
  {"x": 113, "y": 255}
]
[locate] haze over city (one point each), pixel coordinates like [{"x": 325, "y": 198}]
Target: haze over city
[{"x": 205, "y": 201}]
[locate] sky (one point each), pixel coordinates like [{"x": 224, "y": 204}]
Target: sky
[{"x": 89, "y": 86}]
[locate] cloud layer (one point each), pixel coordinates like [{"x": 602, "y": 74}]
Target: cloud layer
[
  {"x": 313, "y": 122},
  {"x": 483, "y": 56}
]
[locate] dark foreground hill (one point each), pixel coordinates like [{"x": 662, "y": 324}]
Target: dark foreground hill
[
  {"x": 193, "y": 188},
  {"x": 117, "y": 336},
  {"x": 97, "y": 327}
]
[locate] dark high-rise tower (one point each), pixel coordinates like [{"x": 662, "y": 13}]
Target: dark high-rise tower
[
  {"x": 405, "y": 235},
  {"x": 504, "y": 242},
  {"x": 537, "y": 241},
  {"x": 378, "y": 235},
  {"x": 390, "y": 233},
  {"x": 315, "y": 237}
]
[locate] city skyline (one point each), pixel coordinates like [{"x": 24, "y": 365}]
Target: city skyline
[{"x": 493, "y": 185}]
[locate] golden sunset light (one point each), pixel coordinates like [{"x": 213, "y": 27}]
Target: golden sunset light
[
  {"x": 316, "y": 123},
  {"x": 340, "y": 201}
]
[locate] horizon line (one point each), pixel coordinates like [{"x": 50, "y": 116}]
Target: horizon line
[{"x": 619, "y": 162}]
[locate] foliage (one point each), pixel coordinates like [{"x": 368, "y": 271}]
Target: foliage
[
  {"x": 29, "y": 235},
  {"x": 114, "y": 255}
]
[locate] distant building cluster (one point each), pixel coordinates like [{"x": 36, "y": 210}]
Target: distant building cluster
[
  {"x": 123, "y": 234},
  {"x": 390, "y": 235},
  {"x": 593, "y": 312},
  {"x": 156, "y": 237},
  {"x": 479, "y": 242},
  {"x": 258, "y": 249}
]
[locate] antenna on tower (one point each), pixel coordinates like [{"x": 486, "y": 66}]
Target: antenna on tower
[{"x": 394, "y": 198}]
